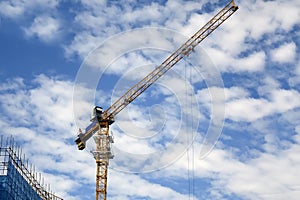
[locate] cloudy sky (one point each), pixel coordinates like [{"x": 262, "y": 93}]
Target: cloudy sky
[{"x": 222, "y": 124}]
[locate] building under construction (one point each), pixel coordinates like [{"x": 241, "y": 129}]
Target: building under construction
[{"x": 18, "y": 178}]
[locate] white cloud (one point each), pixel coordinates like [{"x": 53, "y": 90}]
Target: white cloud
[
  {"x": 295, "y": 78},
  {"x": 254, "y": 62},
  {"x": 267, "y": 176},
  {"x": 12, "y": 84},
  {"x": 10, "y": 10},
  {"x": 266, "y": 16},
  {"x": 45, "y": 28},
  {"x": 83, "y": 43},
  {"x": 251, "y": 30},
  {"x": 93, "y": 4},
  {"x": 253, "y": 180},
  {"x": 268, "y": 85},
  {"x": 285, "y": 53},
  {"x": 153, "y": 12},
  {"x": 231, "y": 94},
  {"x": 96, "y": 16},
  {"x": 19, "y": 8},
  {"x": 133, "y": 185},
  {"x": 250, "y": 109}
]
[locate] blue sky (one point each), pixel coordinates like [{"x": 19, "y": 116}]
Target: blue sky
[{"x": 241, "y": 88}]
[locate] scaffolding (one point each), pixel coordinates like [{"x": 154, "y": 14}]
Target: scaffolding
[{"x": 18, "y": 178}]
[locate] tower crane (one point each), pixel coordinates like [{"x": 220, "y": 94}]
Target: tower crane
[{"x": 101, "y": 120}]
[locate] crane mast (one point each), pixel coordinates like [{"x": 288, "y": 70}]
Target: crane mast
[{"x": 101, "y": 120}]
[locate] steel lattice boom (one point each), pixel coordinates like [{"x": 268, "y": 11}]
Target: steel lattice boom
[{"x": 102, "y": 119}]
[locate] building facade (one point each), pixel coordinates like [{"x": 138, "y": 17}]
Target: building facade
[{"x": 18, "y": 178}]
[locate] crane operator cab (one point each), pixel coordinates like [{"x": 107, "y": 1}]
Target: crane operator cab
[
  {"x": 83, "y": 137},
  {"x": 96, "y": 114}
]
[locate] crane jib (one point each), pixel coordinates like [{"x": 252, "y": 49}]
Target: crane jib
[{"x": 183, "y": 51}]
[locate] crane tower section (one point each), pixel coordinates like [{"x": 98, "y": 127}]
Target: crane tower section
[{"x": 101, "y": 120}]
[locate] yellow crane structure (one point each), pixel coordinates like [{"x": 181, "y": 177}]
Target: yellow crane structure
[{"x": 101, "y": 120}]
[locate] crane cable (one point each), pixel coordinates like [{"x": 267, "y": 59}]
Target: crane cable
[
  {"x": 192, "y": 134},
  {"x": 186, "y": 122},
  {"x": 190, "y": 148}
]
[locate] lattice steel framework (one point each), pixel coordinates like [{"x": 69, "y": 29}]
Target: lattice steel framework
[{"x": 18, "y": 178}]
